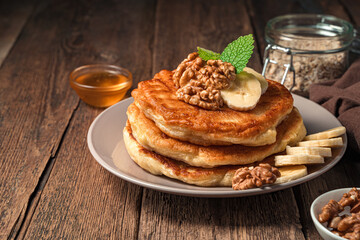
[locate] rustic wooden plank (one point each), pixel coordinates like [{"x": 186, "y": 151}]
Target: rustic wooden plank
[
  {"x": 13, "y": 17},
  {"x": 36, "y": 105},
  {"x": 81, "y": 200},
  {"x": 339, "y": 176},
  {"x": 258, "y": 217},
  {"x": 180, "y": 27}
]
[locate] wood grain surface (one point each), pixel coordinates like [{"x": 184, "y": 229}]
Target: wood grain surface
[
  {"x": 14, "y": 15},
  {"x": 81, "y": 199},
  {"x": 36, "y": 105},
  {"x": 52, "y": 188}
]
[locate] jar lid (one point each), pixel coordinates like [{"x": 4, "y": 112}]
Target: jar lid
[{"x": 309, "y": 29}]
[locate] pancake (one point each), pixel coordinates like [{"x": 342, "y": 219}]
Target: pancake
[
  {"x": 160, "y": 165},
  {"x": 156, "y": 98},
  {"x": 289, "y": 132}
]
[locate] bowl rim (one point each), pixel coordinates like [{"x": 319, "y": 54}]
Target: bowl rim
[
  {"x": 106, "y": 68},
  {"x": 314, "y": 218}
]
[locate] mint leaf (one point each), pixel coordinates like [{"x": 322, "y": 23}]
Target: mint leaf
[
  {"x": 206, "y": 55},
  {"x": 238, "y": 52}
]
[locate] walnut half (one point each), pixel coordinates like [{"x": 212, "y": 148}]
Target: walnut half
[
  {"x": 200, "y": 82},
  {"x": 330, "y": 210},
  {"x": 351, "y": 198},
  {"x": 349, "y": 222},
  {"x": 247, "y": 177}
]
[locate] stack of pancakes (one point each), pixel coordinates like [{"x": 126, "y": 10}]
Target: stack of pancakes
[{"x": 166, "y": 136}]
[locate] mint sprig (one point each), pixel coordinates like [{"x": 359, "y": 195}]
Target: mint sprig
[
  {"x": 237, "y": 52},
  {"x": 206, "y": 54}
]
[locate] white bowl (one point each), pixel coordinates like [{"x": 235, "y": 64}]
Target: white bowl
[{"x": 319, "y": 203}]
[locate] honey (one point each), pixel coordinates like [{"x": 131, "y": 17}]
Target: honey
[
  {"x": 101, "y": 79},
  {"x": 100, "y": 85}
]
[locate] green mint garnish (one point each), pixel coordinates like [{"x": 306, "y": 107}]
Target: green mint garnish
[
  {"x": 237, "y": 52},
  {"x": 206, "y": 55}
]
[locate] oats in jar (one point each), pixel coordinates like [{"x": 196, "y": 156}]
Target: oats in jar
[{"x": 306, "y": 48}]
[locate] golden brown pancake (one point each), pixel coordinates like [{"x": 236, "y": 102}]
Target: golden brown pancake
[
  {"x": 289, "y": 132},
  {"x": 157, "y": 100},
  {"x": 160, "y": 165}
]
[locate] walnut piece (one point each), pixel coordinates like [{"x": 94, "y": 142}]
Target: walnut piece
[
  {"x": 333, "y": 223},
  {"x": 355, "y": 208},
  {"x": 200, "y": 82},
  {"x": 351, "y": 198},
  {"x": 337, "y": 233},
  {"x": 349, "y": 222},
  {"x": 333, "y": 208},
  {"x": 345, "y": 226},
  {"x": 247, "y": 177},
  {"x": 187, "y": 69},
  {"x": 355, "y": 234}
]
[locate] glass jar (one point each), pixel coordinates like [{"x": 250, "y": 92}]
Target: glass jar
[{"x": 306, "y": 48}]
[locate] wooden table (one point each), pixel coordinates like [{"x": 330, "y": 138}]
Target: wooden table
[{"x": 50, "y": 185}]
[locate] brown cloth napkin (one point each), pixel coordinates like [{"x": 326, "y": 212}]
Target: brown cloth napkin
[{"x": 342, "y": 98}]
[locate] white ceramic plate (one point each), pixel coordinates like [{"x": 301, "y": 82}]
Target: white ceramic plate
[{"x": 106, "y": 131}]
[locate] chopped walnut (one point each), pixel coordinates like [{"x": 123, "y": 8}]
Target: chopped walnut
[
  {"x": 355, "y": 208},
  {"x": 349, "y": 222},
  {"x": 355, "y": 234},
  {"x": 337, "y": 233},
  {"x": 345, "y": 226},
  {"x": 187, "y": 69},
  {"x": 200, "y": 83},
  {"x": 217, "y": 74},
  {"x": 208, "y": 99},
  {"x": 351, "y": 198},
  {"x": 248, "y": 177},
  {"x": 333, "y": 208},
  {"x": 335, "y": 221}
]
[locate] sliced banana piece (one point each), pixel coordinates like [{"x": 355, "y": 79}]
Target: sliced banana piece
[
  {"x": 291, "y": 173},
  {"x": 264, "y": 84},
  {"x": 322, "y": 151},
  {"x": 289, "y": 160},
  {"x": 243, "y": 94},
  {"x": 334, "y": 132},
  {"x": 333, "y": 142}
]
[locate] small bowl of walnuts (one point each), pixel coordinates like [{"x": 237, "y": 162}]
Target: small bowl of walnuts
[{"x": 336, "y": 214}]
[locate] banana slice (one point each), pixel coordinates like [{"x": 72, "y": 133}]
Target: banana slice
[
  {"x": 333, "y": 142},
  {"x": 335, "y": 132},
  {"x": 322, "y": 151},
  {"x": 291, "y": 173},
  {"x": 289, "y": 160},
  {"x": 264, "y": 84},
  {"x": 243, "y": 94}
]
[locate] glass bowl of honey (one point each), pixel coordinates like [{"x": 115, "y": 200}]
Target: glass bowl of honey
[{"x": 101, "y": 85}]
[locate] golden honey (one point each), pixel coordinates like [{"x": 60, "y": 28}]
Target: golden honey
[
  {"x": 100, "y": 85},
  {"x": 101, "y": 79}
]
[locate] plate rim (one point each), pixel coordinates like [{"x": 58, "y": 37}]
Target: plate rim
[{"x": 206, "y": 193}]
